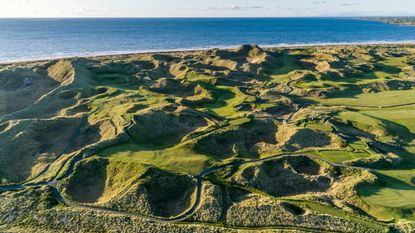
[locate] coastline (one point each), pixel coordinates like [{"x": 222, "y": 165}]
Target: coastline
[
  {"x": 402, "y": 21},
  {"x": 140, "y": 52}
]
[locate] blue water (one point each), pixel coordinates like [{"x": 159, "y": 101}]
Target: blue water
[{"x": 27, "y": 39}]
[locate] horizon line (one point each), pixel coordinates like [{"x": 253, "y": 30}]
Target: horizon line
[{"x": 204, "y": 17}]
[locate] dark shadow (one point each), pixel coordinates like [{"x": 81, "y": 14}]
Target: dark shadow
[
  {"x": 219, "y": 97},
  {"x": 160, "y": 129},
  {"x": 293, "y": 209},
  {"x": 403, "y": 133},
  {"x": 169, "y": 194},
  {"x": 366, "y": 190},
  {"x": 239, "y": 141},
  {"x": 87, "y": 182},
  {"x": 387, "y": 68}
]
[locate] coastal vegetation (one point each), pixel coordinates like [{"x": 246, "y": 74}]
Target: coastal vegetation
[
  {"x": 248, "y": 139},
  {"x": 395, "y": 20}
]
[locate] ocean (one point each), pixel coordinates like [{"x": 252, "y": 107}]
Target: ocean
[{"x": 33, "y": 39}]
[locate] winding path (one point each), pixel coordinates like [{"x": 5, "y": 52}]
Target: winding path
[
  {"x": 199, "y": 187},
  {"x": 187, "y": 213},
  {"x": 67, "y": 149}
]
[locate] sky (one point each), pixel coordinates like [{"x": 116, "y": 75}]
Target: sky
[{"x": 204, "y": 8}]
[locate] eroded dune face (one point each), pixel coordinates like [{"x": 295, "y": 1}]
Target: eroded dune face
[{"x": 62, "y": 72}]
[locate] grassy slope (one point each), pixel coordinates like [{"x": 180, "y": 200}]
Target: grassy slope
[
  {"x": 385, "y": 98},
  {"x": 179, "y": 159},
  {"x": 393, "y": 198},
  {"x": 116, "y": 92}
]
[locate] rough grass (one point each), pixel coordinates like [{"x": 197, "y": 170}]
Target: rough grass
[
  {"x": 34, "y": 144},
  {"x": 166, "y": 129},
  {"x": 186, "y": 111},
  {"x": 98, "y": 180},
  {"x": 292, "y": 138},
  {"x": 180, "y": 158},
  {"x": 129, "y": 186}
]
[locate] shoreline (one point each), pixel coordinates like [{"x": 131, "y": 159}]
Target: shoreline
[{"x": 140, "y": 52}]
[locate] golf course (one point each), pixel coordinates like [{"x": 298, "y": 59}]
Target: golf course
[{"x": 247, "y": 139}]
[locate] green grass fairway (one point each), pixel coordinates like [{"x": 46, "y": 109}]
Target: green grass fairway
[
  {"x": 338, "y": 156},
  {"x": 390, "y": 199},
  {"x": 381, "y": 99},
  {"x": 229, "y": 109},
  {"x": 132, "y": 133},
  {"x": 181, "y": 159},
  {"x": 402, "y": 116}
]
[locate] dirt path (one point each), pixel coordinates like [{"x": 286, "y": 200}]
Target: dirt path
[
  {"x": 187, "y": 213},
  {"x": 199, "y": 189}
]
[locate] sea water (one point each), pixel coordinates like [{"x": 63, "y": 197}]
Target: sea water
[{"x": 32, "y": 39}]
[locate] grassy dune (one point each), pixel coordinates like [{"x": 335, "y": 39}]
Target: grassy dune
[{"x": 131, "y": 132}]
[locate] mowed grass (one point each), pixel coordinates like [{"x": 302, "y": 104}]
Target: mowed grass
[
  {"x": 339, "y": 156},
  {"x": 380, "y": 99},
  {"x": 343, "y": 82},
  {"x": 119, "y": 97},
  {"x": 393, "y": 197},
  {"x": 383, "y": 71},
  {"x": 176, "y": 159},
  {"x": 396, "y": 62},
  {"x": 321, "y": 208},
  {"x": 367, "y": 123},
  {"x": 390, "y": 198},
  {"x": 230, "y": 108},
  {"x": 226, "y": 101},
  {"x": 359, "y": 117},
  {"x": 402, "y": 116}
]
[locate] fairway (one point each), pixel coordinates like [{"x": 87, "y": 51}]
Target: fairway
[
  {"x": 402, "y": 116},
  {"x": 180, "y": 159},
  {"x": 381, "y": 99},
  {"x": 317, "y": 138},
  {"x": 390, "y": 197},
  {"x": 338, "y": 156}
]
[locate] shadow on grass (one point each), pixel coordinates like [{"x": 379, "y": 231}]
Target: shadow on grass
[
  {"x": 366, "y": 190},
  {"x": 288, "y": 62},
  {"x": 117, "y": 80},
  {"x": 396, "y": 129}
]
